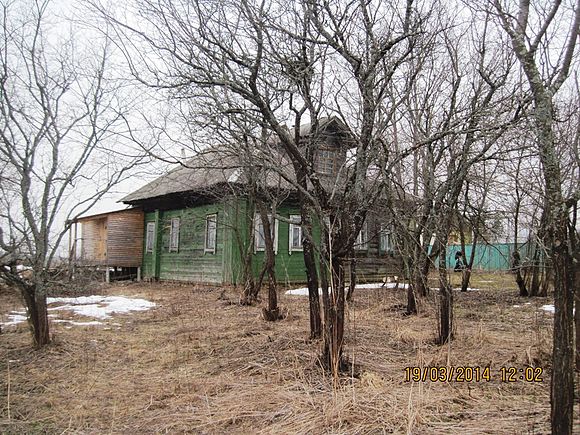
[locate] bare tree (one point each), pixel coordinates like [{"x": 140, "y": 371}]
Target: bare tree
[
  {"x": 535, "y": 34},
  {"x": 462, "y": 103},
  {"x": 297, "y": 63},
  {"x": 57, "y": 113}
]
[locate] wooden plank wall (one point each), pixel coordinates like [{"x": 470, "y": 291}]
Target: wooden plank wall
[
  {"x": 93, "y": 245},
  {"x": 190, "y": 262},
  {"x": 125, "y": 238}
]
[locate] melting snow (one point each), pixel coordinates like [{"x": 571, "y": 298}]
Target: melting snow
[
  {"x": 549, "y": 308},
  {"x": 14, "y": 319},
  {"x": 99, "y": 307}
]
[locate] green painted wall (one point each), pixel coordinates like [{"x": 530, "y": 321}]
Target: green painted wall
[
  {"x": 190, "y": 262},
  {"x": 289, "y": 265}
]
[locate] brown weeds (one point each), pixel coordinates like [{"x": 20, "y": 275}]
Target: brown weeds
[{"x": 196, "y": 364}]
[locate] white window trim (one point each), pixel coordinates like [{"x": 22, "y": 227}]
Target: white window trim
[
  {"x": 150, "y": 238},
  {"x": 257, "y": 222},
  {"x": 360, "y": 244},
  {"x": 294, "y": 223},
  {"x": 174, "y": 235},
  {"x": 212, "y": 249},
  {"x": 322, "y": 162},
  {"x": 386, "y": 231}
]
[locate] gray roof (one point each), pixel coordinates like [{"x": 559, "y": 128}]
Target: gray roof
[
  {"x": 210, "y": 168},
  {"x": 221, "y": 165}
]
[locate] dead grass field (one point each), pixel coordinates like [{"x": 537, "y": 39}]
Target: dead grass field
[{"x": 200, "y": 364}]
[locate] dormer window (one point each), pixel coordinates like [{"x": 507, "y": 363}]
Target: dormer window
[{"x": 326, "y": 161}]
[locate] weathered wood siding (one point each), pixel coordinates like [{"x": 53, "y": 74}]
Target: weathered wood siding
[
  {"x": 113, "y": 239},
  {"x": 94, "y": 241},
  {"x": 190, "y": 262},
  {"x": 372, "y": 264},
  {"x": 125, "y": 238}
]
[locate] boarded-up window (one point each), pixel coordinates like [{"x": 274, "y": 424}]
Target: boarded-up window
[
  {"x": 174, "y": 235},
  {"x": 362, "y": 238},
  {"x": 259, "y": 238},
  {"x": 150, "y": 238},
  {"x": 295, "y": 234},
  {"x": 210, "y": 233}
]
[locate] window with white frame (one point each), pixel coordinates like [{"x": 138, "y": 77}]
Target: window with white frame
[
  {"x": 210, "y": 233},
  {"x": 386, "y": 242},
  {"x": 150, "y": 237},
  {"x": 259, "y": 235},
  {"x": 174, "y": 235},
  {"x": 295, "y": 234},
  {"x": 362, "y": 239},
  {"x": 326, "y": 160}
]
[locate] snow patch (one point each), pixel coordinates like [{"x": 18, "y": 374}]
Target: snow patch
[
  {"x": 549, "y": 308},
  {"x": 99, "y": 307},
  {"x": 15, "y": 318}
]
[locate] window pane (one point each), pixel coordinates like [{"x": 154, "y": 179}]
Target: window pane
[
  {"x": 325, "y": 163},
  {"x": 174, "y": 235},
  {"x": 296, "y": 236},
  {"x": 260, "y": 238},
  {"x": 211, "y": 233},
  {"x": 150, "y": 236}
]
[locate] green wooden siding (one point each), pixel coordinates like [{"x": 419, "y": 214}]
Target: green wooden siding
[
  {"x": 190, "y": 262},
  {"x": 289, "y": 265}
]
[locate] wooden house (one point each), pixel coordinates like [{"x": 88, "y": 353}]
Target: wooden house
[
  {"x": 112, "y": 241},
  {"x": 197, "y": 220}
]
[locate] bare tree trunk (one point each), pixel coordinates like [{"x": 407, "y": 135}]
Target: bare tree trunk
[
  {"x": 411, "y": 300},
  {"x": 575, "y": 249},
  {"x": 35, "y": 299},
  {"x": 271, "y": 313},
  {"x": 421, "y": 272},
  {"x": 309, "y": 261},
  {"x": 352, "y": 283},
  {"x": 445, "y": 299},
  {"x": 313, "y": 295},
  {"x": 517, "y": 268},
  {"x": 250, "y": 290},
  {"x": 466, "y": 272},
  {"x": 333, "y": 339}
]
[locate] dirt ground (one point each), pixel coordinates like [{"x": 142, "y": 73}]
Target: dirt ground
[{"x": 199, "y": 363}]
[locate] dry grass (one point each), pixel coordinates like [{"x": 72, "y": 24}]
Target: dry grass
[{"x": 199, "y": 364}]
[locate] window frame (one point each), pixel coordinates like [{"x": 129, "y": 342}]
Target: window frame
[
  {"x": 257, "y": 225},
  {"x": 150, "y": 237},
  {"x": 326, "y": 159},
  {"x": 386, "y": 231},
  {"x": 360, "y": 243},
  {"x": 206, "y": 248},
  {"x": 295, "y": 222},
  {"x": 174, "y": 234}
]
